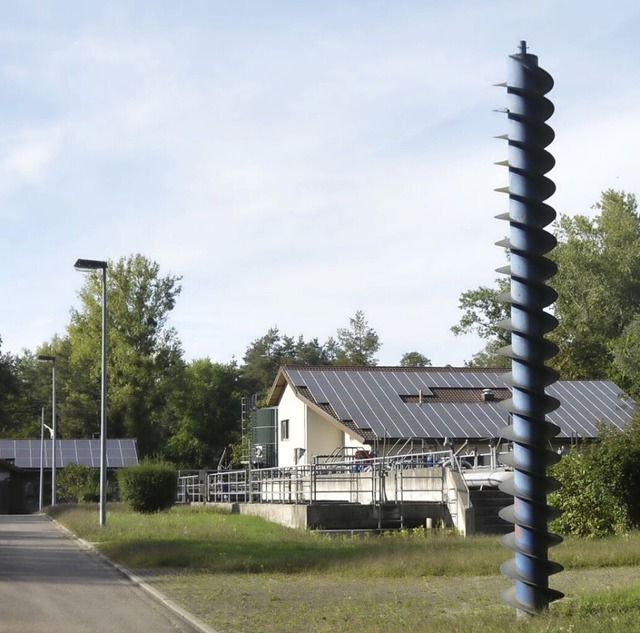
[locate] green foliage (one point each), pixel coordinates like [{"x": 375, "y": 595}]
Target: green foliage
[
  {"x": 144, "y": 356},
  {"x": 148, "y": 487},
  {"x": 205, "y": 414},
  {"x": 598, "y": 305},
  {"x": 77, "y": 483},
  {"x": 9, "y": 390},
  {"x": 414, "y": 359},
  {"x": 357, "y": 344},
  {"x": 25, "y": 387},
  {"x": 598, "y": 284},
  {"x": 239, "y": 451},
  {"x": 267, "y": 354},
  {"x": 619, "y": 459},
  {"x": 588, "y": 504},
  {"x": 483, "y": 313},
  {"x": 600, "y": 491}
]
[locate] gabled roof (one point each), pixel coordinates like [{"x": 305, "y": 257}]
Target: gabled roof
[
  {"x": 26, "y": 453},
  {"x": 438, "y": 402}
]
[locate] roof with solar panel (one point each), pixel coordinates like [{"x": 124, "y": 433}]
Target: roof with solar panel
[
  {"x": 437, "y": 402},
  {"x": 27, "y": 453}
]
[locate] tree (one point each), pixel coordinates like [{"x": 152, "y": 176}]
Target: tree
[
  {"x": 484, "y": 310},
  {"x": 626, "y": 357},
  {"x": 358, "y": 343},
  {"x": 144, "y": 354},
  {"x": 600, "y": 491},
  {"x": 205, "y": 414},
  {"x": 598, "y": 285},
  {"x": 414, "y": 359},
  {"x": 19, "y": 407},
  {"x": 262, "y": 360},
  {"x": 589, "y": 507},
  {"x": 78, "y": 484},
  {"x": 268, "y": 353}
]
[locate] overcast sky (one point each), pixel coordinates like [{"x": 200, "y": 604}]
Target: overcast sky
[{"x": 293, "y": 160}]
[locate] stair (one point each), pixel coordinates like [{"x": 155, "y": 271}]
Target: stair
[
  {"x": 390, "y": 516},
  {"x": 487, "y": 503}
]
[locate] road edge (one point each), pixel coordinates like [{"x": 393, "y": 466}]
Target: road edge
[{"x": 158, "y": 595}]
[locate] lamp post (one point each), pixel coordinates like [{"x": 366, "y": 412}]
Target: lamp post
[
  {"x": 86, "y": 265},
  {"x": 52, "y": 360},
  {"x": 41, "y": 461}
]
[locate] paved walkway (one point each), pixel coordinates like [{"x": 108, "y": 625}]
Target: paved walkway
[{"x": 50, "y": 583}]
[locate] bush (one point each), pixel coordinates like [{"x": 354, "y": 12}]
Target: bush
[
  {"x": 590, "y": 507},
  {"x": 150, "y": 486},
  {"x": 601, "y": 484},
  {"x": 77, "y": 483}
]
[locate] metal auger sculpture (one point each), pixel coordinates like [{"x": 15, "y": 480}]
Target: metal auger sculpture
[{"x": 529, "y": 269}]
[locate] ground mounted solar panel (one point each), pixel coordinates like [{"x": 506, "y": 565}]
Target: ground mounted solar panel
[{"x": 27, "y": 453}]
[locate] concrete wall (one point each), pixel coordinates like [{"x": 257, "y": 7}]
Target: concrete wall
[
  {"x": 353, "y": 501},
  {"x": 343, "y": 516},
  {"x": 459, "y": 503}
]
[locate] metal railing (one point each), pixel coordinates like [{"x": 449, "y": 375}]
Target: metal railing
[{"x": 358, "y": 478}]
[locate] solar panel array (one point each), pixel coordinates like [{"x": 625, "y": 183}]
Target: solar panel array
[
  {"x": 372, "y": 398},
  {"x": 26, "y": 453}
]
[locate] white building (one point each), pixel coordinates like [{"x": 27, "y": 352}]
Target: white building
[{"x": 391, "y": 410}]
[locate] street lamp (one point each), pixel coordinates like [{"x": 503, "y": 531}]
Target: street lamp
[
  {"x": 41, "y": 461},
  {"x": 52, "y": 360},
  {"x": 86, "y": 265}
]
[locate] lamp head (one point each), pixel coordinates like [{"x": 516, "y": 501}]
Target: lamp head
[{"x": 90, "y": 264}]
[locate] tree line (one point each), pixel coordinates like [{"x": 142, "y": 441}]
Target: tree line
[
  {"x": 597, "y": 337},
  {"x": 186, "y": 412},
  {"x": 598, "y": 304},
  {"x": 189, "y": 412}
]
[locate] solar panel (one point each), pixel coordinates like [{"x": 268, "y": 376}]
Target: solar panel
[
  {"x": 371, "y": 397},
  {"x": 26, "y": 453}
]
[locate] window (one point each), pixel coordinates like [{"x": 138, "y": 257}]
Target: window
[{"x": 284, "y": 429}]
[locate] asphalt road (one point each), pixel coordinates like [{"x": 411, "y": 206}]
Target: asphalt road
[{"x": 50, "y": 583}]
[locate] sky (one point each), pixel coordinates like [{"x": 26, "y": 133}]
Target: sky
[{"x": 294, "y": 161}]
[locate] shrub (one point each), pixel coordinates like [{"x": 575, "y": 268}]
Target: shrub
[
  {"x": 148, "y": 487},
  {"x": 589, "y": 505},
  {"x": 77, "y": 483},
  {"x": 601, "y": 484}
]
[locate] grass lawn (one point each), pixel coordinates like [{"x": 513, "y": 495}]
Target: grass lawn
[{"x": 241, "y": 574}]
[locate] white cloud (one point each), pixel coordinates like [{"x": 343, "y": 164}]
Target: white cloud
[
  {"x": 27, "y": 158},
  {"x": 293, "y": 165}
]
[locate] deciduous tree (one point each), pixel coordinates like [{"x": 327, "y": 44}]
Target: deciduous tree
[
  {"x": 414, "y": 359},
  {"x": 144, "y": 354},
  {"x": 205, "y": 414},
  {"x": 598, "y": 305}
]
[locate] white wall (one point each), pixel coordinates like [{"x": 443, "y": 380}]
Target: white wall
[
  {"x": 323, "y": 437},
  {"x": 293, "y": 409},
  {"x": 307, "y": 430}
]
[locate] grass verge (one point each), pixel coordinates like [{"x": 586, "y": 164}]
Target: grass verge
[{"x": 239, "y": 574}]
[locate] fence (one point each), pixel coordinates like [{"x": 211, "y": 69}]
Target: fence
[{"x": 356, "y": 478}]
